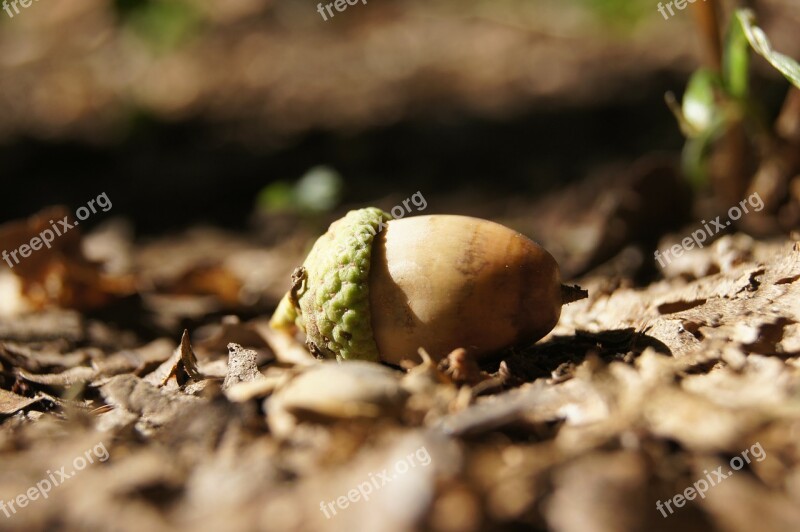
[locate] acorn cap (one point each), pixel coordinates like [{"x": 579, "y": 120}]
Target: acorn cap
[{"x": 329, "y": 298}]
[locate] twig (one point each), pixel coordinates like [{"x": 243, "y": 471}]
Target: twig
[{"x": 706, "y": 15}]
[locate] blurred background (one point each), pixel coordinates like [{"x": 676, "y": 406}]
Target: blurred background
[{"x": 183, "y": 111}]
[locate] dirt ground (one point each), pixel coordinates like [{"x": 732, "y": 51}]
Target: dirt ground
[{"x": 637, "y": 395}]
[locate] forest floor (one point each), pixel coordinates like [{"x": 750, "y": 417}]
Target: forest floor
[{"x": 638, "y": 394}]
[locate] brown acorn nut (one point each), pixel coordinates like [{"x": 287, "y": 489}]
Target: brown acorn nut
[
  {"x": 438, "y": 282},
  {"x": 443, "y": 282}
]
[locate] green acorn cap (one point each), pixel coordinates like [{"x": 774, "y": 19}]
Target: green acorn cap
[{"x": 329, "y": 298}]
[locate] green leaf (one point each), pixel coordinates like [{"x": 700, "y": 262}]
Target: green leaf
[
  {"x": 319, "y": 190},
  {"x": 699, "y": 111},
  {"x": 758, "y": 40},
  {"x": 163, "y": 24},
  {"x": 703, "y": 117},
  {"x": 276, "y": 197},
  {"x": 619, "y": 13},
  {"x": 736, "y": 61}
]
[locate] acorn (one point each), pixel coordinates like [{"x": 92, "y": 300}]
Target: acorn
[{"x": 378, "y": 289}]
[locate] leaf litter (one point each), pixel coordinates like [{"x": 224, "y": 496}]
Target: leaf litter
[{"x": 232, "y": 426}]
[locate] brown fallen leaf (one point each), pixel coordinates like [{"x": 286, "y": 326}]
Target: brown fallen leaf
[
  {"x": 57, "y": 274},
  {"x": 11, "y": 402}
]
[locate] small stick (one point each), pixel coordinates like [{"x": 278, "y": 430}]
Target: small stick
[
  {"x": 570, "y": 294},
  {"x": 706, "y": 14}
]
